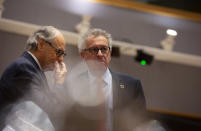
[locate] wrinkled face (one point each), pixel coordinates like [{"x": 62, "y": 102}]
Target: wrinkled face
[
  {"x": 97, "y": 54},
  {"x": 52, "y": 52}
]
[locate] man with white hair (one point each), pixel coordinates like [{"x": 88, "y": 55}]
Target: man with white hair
[
  {"x": 104, "y": 100},
  {"x": 24, "y": 79}
]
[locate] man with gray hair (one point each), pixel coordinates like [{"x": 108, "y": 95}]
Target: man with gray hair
[
  {"x": 104, "y": 100},
  {"x": 24, "y": 79}
]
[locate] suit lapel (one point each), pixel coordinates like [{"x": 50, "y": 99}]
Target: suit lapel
[
  {"x": 115, "y": 85},
  {"x": 116, "y": 99}
]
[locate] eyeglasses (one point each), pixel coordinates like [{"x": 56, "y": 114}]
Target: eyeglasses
[
  {"x": 59, "y": 52},
  {"x": 95, "y": 50}
]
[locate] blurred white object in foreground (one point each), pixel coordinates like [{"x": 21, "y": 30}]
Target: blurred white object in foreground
[
  {"x": 152, "y": 125},
  {"x": 27, "y": 116}
]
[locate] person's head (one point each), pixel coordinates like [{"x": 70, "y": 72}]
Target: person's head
[
  {"x": 95, "y": 49},
  {"x": 48, "y": 45}
]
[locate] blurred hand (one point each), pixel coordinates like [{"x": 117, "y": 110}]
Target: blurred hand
[{"x": 60, "y": 72}]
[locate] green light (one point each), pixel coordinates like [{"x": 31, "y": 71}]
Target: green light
[{"x": 143, "y": 62}]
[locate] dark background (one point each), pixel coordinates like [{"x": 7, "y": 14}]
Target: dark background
[{"x": 186, "y": 5}]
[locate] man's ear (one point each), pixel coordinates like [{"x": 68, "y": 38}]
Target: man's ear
[{"x": 40, "y": 43}]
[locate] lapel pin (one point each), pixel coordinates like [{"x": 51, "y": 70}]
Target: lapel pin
[{"x": 122, "y": 86}]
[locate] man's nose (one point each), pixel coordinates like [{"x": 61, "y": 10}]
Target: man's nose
[{"x": 99, "y": 53}]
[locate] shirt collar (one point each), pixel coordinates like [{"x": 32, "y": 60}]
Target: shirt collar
[{"x": 35, "y": 59}]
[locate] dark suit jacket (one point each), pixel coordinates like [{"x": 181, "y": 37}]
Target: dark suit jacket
[
  {"x": 128, "y": 104},
  {"x": 19, "y": 81}
]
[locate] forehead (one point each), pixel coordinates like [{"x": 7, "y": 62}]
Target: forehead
[
  {"x": 60, "y": 41},
  {"x": 96, "y": 41}
]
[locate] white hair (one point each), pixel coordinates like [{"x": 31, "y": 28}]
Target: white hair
[
  {"x": 46, "y": 32},
  {"x": 93, "y": 32}
]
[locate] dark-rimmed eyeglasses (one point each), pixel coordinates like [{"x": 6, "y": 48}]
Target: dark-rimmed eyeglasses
[
  {"x": 95, "y": 50},
  {"x": 59, "y": 52}
]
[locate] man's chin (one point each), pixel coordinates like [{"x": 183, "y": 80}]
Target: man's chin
[{"x": 97, "y": 67}]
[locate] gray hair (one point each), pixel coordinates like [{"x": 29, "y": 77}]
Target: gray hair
[
  {"x": 93, "y": 32},
  {"x": 46, "y": 32}
]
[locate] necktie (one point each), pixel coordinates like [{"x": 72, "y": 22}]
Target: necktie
[{"x": 101, "y": 97}]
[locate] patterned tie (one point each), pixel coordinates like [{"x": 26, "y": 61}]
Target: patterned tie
[{"x": 101, "y": 97}]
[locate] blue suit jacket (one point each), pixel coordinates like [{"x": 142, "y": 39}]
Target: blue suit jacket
[
  {"x": 129, "y": 102},
  {"x": 128, "y": 105},
  {"x": 19, "y": 79}
]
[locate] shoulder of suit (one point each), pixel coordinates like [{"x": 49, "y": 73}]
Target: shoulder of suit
[
  {"x": 124, "y": 76},
  {"x": 21, "y": 64}
]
